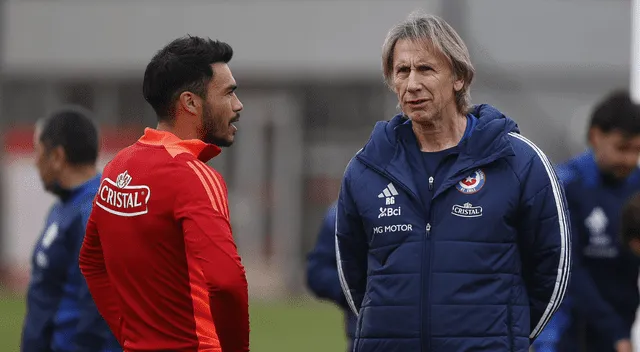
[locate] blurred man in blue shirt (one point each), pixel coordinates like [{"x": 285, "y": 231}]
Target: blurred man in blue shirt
[
  {"x": 603, "y": 293},
  {"x": 322, "y": 272},
  {"x": 61, "y": 315}
]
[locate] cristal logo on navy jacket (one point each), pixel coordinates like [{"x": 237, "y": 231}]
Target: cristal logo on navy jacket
[
  {"x": 467, "y": 210},
  {"x": 122, "y": 199}
]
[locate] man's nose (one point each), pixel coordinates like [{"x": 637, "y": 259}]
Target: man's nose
[{"x": 413, "y": 82}]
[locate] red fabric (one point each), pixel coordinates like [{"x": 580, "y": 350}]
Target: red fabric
[{"x": 159, "y": 256}]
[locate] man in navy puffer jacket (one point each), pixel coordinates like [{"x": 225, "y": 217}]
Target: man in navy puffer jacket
[{"x": 452, "y": 233}]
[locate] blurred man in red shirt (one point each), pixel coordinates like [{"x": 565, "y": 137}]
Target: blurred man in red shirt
[{"x": 158, "y": 256}]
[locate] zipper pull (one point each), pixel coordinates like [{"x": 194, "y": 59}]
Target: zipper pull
[
  {"x": 428, "y": 230},
  {"x": 431, "y": 183}
]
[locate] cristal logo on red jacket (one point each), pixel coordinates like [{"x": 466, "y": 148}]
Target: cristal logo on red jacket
[{"x": 120, "y": 198}]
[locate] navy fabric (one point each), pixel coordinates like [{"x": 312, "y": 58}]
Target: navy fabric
[
  {"x": 432, "y": 160},
  {"x": 61, "y": 315},
  {"x": 322, "y": 271},
  {"x": 603, "y": 290},
  {"x": 554, "y": 336},
  {"x": 434, "y": 166},
  {"x": 482, "y": 269},
  {"x": 428, "y": 172}
]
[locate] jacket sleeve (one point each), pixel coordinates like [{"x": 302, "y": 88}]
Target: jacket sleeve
[
  {"x": 322, "y": 269},
  {"x": 92, "y": 332},
  {"x": 544, "y": 240},
  {"x": 92, "y": 266},
  {"x": 202, "y": 209},
  {"x": 351, "y": 245}
]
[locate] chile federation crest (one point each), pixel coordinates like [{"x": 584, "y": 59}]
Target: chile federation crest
[{"x": 472, "y": 183}]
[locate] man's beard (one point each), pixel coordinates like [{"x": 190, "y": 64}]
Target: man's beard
[
  {"x": 610, "y": 176},
  {"x": 214, "y": 127},
  {"x": 57, "y": 190}
]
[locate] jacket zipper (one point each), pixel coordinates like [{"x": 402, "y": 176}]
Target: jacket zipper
[
  {"x": 425, "y": 338},
  {"x": 423, "y": 307}
]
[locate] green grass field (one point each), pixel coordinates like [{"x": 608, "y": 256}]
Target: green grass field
[{"x": 297, "y": 325}]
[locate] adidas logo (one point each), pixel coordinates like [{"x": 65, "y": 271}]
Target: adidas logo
[{"x": 389, "y": 194}]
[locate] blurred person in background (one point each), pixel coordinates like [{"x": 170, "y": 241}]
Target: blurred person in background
[
  {"x": 61, "y": 315},
  {"x": 603, "y": 295},
  {"x": 452, "y": 233},
  {"x": 159, "y": 255},
  {"x": 322, "y": 272}
]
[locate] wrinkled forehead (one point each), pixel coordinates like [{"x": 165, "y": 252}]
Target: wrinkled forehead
[{"x": 424, "y": 47}]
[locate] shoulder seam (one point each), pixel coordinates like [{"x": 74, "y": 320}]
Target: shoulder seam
[
  {"x": 510, "y": 163},
  {"x": 351, "y": 161}
]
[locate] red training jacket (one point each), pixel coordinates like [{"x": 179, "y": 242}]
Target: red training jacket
[{"x": 159, "y": 257}]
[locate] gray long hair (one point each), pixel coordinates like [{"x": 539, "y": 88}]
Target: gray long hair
[{"x": 437, "y": 32}]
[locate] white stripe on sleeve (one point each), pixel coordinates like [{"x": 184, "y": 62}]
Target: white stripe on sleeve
[
  {"x": 564, "y": 264},
  {"x": 343, "y": 281}
]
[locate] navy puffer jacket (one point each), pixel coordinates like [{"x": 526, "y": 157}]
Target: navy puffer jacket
[{"x": 480, "y": 266}]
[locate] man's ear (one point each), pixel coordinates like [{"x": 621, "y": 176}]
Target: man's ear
[
  {"x": 190, "y": 102},
  {"x": 58, "y": 157},
  {"x": 634, "y": 245},
  {"x": 458, "y": 84},
  {"x": 594, "y": 135}
]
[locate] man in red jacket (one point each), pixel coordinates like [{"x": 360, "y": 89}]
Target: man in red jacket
[{"x": 158, "y": 256}]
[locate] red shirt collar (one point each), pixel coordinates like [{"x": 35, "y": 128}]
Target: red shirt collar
[{"x": 174, "y": 145}]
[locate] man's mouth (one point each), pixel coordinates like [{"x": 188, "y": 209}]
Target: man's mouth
[
  {"x": 233, "y": 121},
  {"x": 416, "y": 101}
]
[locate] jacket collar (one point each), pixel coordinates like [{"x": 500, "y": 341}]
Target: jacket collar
[
  {"x": 175, "y": 146},
  {"x": 88, "y": 186},
  {"x": 485, "y": 143}
]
